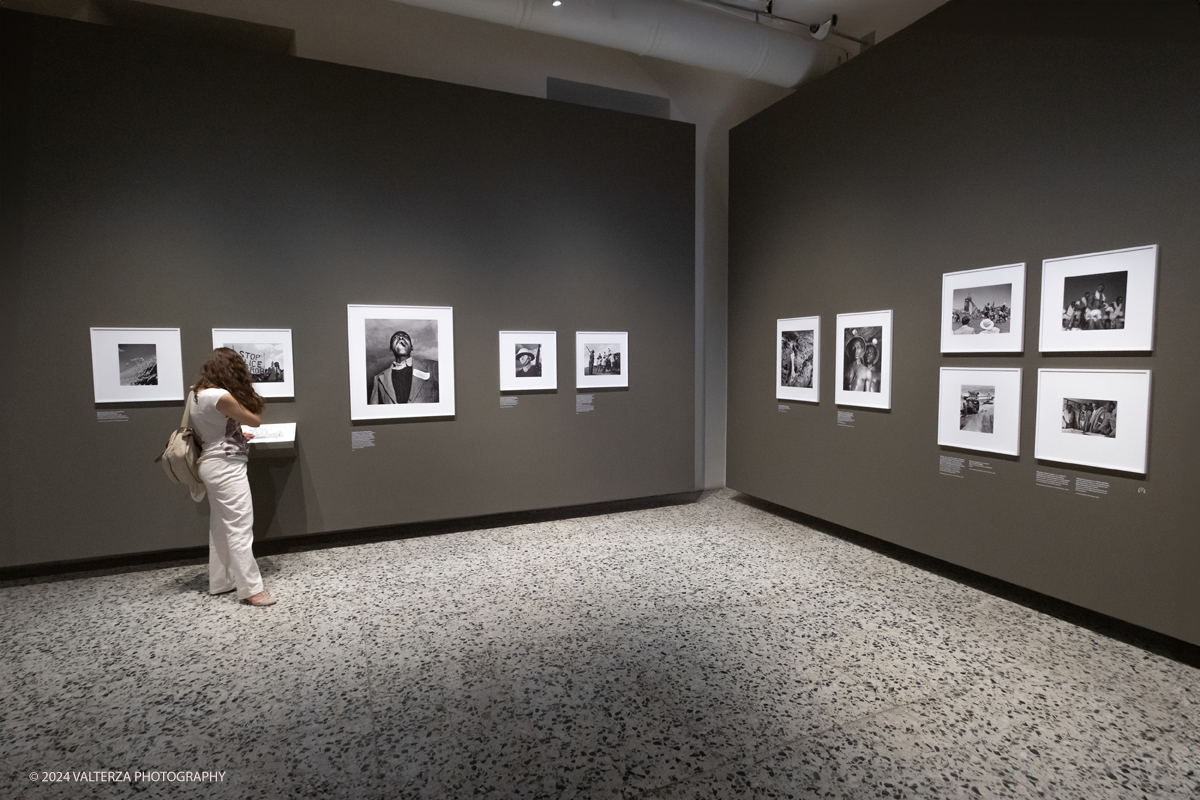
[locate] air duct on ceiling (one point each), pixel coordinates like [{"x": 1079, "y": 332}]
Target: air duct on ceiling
[{"x": 666, "y": 29}]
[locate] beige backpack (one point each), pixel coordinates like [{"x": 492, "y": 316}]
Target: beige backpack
[{"x": 180, "y": 459}]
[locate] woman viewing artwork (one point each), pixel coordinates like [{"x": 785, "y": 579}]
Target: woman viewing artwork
[{"x": 222, "y": 401}]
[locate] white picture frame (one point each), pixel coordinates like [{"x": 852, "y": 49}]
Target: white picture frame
[
  {"x": 528, "y": 361},
  {"x": 983, "y": 310},
  {"x": 372, "y": 329},
  {"x": 601, "y": 359},
  {"x": 866, "y": 383},
  {"x": 980, "y": 409},
  {"x": 136, "y": 365},
  {"x": 798, "y": 359},
  {"x": 267, "y": 353},
  {"x": 1126, "y": 313},
  {"x": 1070, "y": 432}
]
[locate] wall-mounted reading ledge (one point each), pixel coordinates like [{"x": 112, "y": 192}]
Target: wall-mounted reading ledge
[{"x": 275, "y": 439}]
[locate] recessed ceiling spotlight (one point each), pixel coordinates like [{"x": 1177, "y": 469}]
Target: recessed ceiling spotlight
[{"x": 556, "y": 3}]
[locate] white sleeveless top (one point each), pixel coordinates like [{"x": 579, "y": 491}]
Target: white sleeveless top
[{"x": 220, "y": 435}]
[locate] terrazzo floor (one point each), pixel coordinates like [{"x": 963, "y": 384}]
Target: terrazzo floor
[{"x": 704, "y": 650}]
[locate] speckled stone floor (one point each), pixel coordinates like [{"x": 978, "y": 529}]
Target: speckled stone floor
[{"x": 705, "y": 650}]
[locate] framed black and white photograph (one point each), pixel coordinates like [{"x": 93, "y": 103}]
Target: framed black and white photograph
[
  {"x": 980, "y": 409},
  {"x": 798, "y": 359},
  {"x": 1094, "y": 417},
  {"x": 864, "y": 343},
  {"x": 601, "y": 359},
  {"x": 268, "y": 355},
  {"x": 528, "y": 361},
  {"x": 983, "y": 310},
  {"x": 136, "y": 365},
  {"x": 1099, "y": 301},
  {"x": 401, "y": 361}
]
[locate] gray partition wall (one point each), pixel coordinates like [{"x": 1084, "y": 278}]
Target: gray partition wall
[
  {"x": 986, "y": 134},
  {"x": 150, "y": 183}
]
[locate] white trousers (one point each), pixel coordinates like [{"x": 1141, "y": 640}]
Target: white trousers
[{"x": 231, "y": 563}]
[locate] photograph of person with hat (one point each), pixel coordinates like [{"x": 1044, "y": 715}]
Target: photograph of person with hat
[{"x": 529, "y": 362}]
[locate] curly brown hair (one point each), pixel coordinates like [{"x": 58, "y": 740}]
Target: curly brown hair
[{"x": 226, "y": 370}]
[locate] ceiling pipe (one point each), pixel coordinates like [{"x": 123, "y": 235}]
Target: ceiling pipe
[{"x": 667, "y": 29}]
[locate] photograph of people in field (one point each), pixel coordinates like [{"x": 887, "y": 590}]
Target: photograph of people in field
[{"x": 981, "y": 310}]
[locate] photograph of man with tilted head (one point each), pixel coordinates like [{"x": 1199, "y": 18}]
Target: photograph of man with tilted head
[
  {"x": 401, "y": 361},
  {"x": 405, "y": 377}
]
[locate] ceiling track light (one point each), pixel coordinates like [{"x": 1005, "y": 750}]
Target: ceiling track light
[
  {"x": 819, "y": 32},
  {"x": 760, "y": 10},
  {"x": 829, "y": 26}
]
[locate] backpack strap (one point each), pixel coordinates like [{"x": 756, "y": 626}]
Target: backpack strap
[{"x": 187, "y": 408}]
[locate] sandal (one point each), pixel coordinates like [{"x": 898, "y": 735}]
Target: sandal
[{"x": 261, "y": 599}]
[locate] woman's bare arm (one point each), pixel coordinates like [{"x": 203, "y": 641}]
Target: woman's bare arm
[{"x": 234, "y": 410}]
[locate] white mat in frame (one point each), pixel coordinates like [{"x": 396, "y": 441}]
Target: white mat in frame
[
  {"x": 1094, "y": 417},
  {"x": 371, "y": 331},
  {"x": 267, "y": 353},
  {"x": 601, "y": 359},
  {"x": 864, "y": 342},
  {"x": 136, "y": 365},
  {"x": 1126, "y": 279},
  {"x": 980, "y": 409},
  {"x": 540, "y": 349},
  {"x": 798, "y": 359},
  {"x": 1001, "y": 287}
]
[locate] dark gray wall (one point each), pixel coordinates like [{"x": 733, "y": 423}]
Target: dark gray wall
[
  {"x": 163, "y": 184},
  {"x": 986, "y": 134}
]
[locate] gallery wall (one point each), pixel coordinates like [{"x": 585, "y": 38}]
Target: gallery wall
[
  {"x": 986, "y": 134},
  {"x": 408, "y": 40},
  {"x": 162, "y": 184}
]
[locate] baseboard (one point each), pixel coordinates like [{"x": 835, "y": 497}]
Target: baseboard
[
  {"x": 1158, "y": 643},
  {"x": 47, "y": 572}
]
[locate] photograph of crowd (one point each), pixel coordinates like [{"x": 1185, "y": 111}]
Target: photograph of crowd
[
  {"x": 796, "y": 369},
  {"x": 264, "y": 360},
  {"x": 1094, "y": 302},
  {"x": 529, "y": 361},
  {"x": 861, "y": 357},
  {"x": 981, "y": 310},
  {"x": 138, "y": 364},
  {"x": 1089, "y": 417},
  {"x": 602, "y": 358},
  {"x": 977, "y": 408}
]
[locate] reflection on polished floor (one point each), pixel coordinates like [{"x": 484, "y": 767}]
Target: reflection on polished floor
[{"x": 703, "y": 650}]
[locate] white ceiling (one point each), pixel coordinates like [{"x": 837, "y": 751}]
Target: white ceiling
[
  {"x": 312, "y": 19},
  {"x": 696, "y": 33}
]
